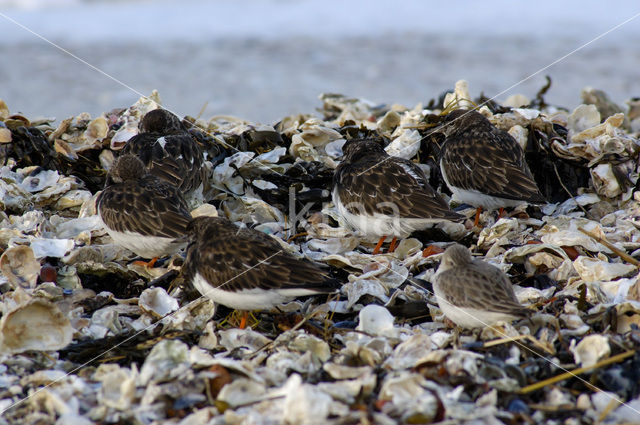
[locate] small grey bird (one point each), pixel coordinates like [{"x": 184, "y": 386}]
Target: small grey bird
[{"x": 473, "y": 293}]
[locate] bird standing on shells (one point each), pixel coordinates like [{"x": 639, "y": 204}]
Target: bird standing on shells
[
  {"x": 169, "y": 152},
  {"x": 141, "y": 212},
  {"x": 382, "y": 195},
  {"x": 472, "y": 293},
  {"x": 245, "y": 269},
  {"x": 484, "y": 166}
]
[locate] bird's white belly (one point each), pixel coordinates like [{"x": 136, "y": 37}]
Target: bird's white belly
[
  {"x": 145, "y": 246},
  {"x": 467, "y": 317},
  {"x": 247, "y": 299},
  {"x": 378, "y": 225},
  {"x": 476, "y": 198}
]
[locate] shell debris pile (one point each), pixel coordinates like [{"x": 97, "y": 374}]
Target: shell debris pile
[{"x": 88, "y": 336}]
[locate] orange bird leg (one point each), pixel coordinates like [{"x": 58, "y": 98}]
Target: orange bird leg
[
  {"x": 477, "y": 220},
  {"x": 150, "y": 264},
  {"x": 244, "y": 319},
  {"x": 376, "y": 250},
  {"x": 500, "y": 213},
  {"x": 393, "y": 247}
]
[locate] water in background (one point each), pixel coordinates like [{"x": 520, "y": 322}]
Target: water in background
[{"x": 264, "y": 59}]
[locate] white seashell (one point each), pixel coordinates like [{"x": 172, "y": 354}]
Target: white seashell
[
  {"x": 582, "y": 118},
  {"x": 460, "y": 98},
  {"x": 604, "y": 181},
  {"x": 36, "y": 325},
  {"x": 168, "y": 359},
  {"x": 563, "y": 231},
  {"x": 5, "y": 135},
  {"x": 337, "y": 371},
  {"x": 206, "y": 210},
  {"x": 527, "y": 113},
  {"x": 357, "y": 289},
  {"x": 122, "y": 136},
  {"x": 607, "y": 128},
  {"x": 388, "y": 123},
  {"x": 20, "y": 267},
  {"x": 594, "y": 269},
  {"x": 304, "y": 403},
  {"x": 521, "y": 135},
  {"x": 95, "y": 132},
  {"x": 66, "y": 229},
  {"x": 408, "y": 396},
  {"x": 406, "y": 145},
  {"x": 118, "y": 389},
  {"x": 503, "y": 229},
  {"x": 263, "y": 184},
  {"x": 590, "y": 350},
  {"x": 347, "y": 391},
  {"x": 375, "y": 320},
  {"x": 65, "y": 149},
  {"x": 241, "y": 391},
  {"x": 73, "y": 199},
  {"x": 334, "y": 245},
  {"x": 40, "y": 181},
  {"x": 273, "y": 156},
  {"x": 157, "y": 302},
  {"x": 408, "y": 353},
  {"x": 242, "y": 338},
  {"x": 334, "y": 149},
  {"x": 45, "y": 247}
]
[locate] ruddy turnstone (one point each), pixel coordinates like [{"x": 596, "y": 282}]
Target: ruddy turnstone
[
  {"x": 473, "y": 293},
  {"x": 168, "y": 151},
  {"x": 245, "y": 269},
  {"x": 382, "y": 195},
  {"x": 141, "y": 212},
  {"x": 484, "y": 166}
]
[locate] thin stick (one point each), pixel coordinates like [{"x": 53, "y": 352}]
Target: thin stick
[
  {"x": 586, "y": 213},
  {"x": 572, "y": 373},
  {"x": 620, "y": 253}
]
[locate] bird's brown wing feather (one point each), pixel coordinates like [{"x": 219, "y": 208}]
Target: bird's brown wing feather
[
  {"x": 491, "y": 162},
  {"x": 390, "y": 186}
]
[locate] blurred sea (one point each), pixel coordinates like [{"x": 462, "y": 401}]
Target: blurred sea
[{"x": 264, "y": 59}]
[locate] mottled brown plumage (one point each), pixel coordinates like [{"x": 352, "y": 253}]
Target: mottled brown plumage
[
  {"x": 247, "y": 269},
  {"x": 142, "y": 212},
  {"x": 381, "y": 195},
  {"x": 484, "y": 166},
  {"x": 473, "y": 293},
  {"x": 168, "y": 151}
]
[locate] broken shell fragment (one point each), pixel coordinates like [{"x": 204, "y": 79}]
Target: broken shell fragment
[
  {"x": 37, "y": 325},
  {"x": 20, "y": 266},
  {"x": 157, "y": 302},
  {"x": 590, "y": 350}
]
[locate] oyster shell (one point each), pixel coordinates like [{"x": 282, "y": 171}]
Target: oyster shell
[{"x": 34, "y": 325}]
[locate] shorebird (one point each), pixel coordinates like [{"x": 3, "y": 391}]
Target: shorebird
[
  {"x": 484, "y": 166},
  {"x": 245, "y": 269},
  {"x": 382, "y": 195},
  {"x": 141, "y": 212},
  {"x": 169, "y": 152},
  {"x": 472, "y": 293}
]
